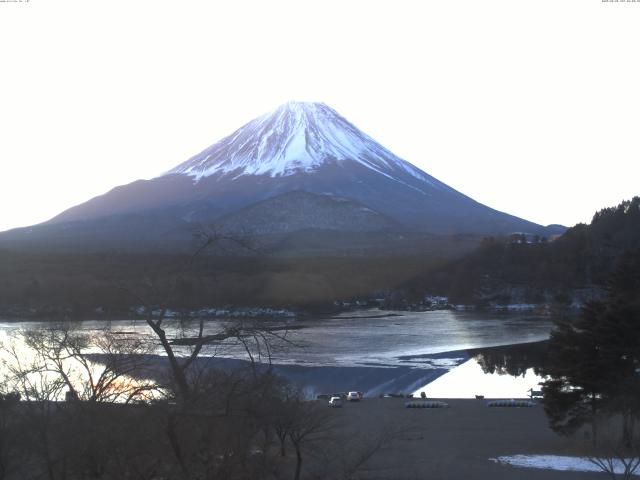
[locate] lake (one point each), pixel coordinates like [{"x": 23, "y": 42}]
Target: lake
[{"x": 369, "y": 350}]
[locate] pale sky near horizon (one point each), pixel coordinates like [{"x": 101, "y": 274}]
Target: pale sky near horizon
[{"x": 532, "y": 108}]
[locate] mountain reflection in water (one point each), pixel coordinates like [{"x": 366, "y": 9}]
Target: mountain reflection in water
[{"x": 508, "y": 371}]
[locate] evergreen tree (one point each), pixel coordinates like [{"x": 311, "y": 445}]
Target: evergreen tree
[
  {"x": 574, "y": 394},
  {"x": 594, "y": 362}
]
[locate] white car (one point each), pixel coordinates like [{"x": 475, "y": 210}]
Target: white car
[
  {"x": 353, "y": 396},
  {"x": 335, "y": 402}
]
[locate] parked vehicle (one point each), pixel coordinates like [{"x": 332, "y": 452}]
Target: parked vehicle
[
  {"x": 335, "y": 402},
  {"x": 353, "y": 396}
]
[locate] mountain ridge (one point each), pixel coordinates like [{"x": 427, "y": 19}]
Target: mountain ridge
[{"x": 299, "y": 146}]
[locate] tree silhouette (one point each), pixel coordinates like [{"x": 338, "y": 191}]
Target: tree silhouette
[{"x": 594, "y": 362}]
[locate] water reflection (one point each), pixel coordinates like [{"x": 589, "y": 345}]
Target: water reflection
[
  {"x": 500, "y": 372},
  {"x": 401, "y": 338},
  {"x": 360, "y": 338},
  {"x": 515, "y": 360},
  {"x": 381, "y": 353}
]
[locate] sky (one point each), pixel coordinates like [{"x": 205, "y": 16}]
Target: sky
[{"x": 532, "y": 108}]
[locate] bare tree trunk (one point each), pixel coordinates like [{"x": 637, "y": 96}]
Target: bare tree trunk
[
  {"x": 282, "y": 433},
  {"x": 176, "y": 369},
  {"x": 175, "y": 443},
  {"x": 44, "y": 438},
  {"x": 298, "y": 463},
  {"x": 283, "y": 452}
]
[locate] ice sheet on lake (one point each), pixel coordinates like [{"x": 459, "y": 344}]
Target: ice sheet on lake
[{"x": 556, "y": 462}]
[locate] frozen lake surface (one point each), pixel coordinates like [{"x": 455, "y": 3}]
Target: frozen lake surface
[
  {"x": 401, "y": 338},
  {"x": 369, "y": 350},
  {"x": 364, "y": 337}
]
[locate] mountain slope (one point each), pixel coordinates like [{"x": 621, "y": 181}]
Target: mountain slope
[
  {"x": 299, "y": 210},
  {"x": 299, "y": 147}
]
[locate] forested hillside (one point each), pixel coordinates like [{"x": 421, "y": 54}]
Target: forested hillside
[
  {"x": 515, "y": 269},
  {"x": 521, "y": 268}
]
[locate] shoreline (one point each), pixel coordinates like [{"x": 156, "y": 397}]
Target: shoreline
[
  {"x": 61, "y": 314},
  {"x": 374, "y": 380}
]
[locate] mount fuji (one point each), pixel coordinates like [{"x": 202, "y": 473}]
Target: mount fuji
[{"x": 302, "y": 167}]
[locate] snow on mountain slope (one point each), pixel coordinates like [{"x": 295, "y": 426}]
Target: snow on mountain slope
[
  {"x": 297, "y": 137},
  {"x": 299, "y": 147}
]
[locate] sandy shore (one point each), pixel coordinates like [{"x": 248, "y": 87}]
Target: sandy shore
[{"x": 457, "y": 442}]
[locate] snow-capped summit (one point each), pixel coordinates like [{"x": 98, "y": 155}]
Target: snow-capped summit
[
  {"x": 296, "y": 137},
  {"x": 301, "y": 168}
]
